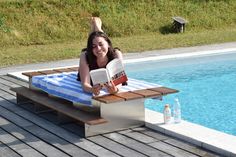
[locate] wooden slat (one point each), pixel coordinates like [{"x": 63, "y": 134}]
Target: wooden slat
[
  {"x": 128, "y": 95},
  {"x": 164, "y": 90},
  {"x": 15, "y": 80},
  {"x": 31, "y": 74},
  {"x": 136, "y": 145},
  {"x": 49, "y": 137},
  {"x": 151, "y": 133},
  {"x": 116, "y": 147},
  {"x": 7, "y": 152},
  {"x": 109, "y": 98},
  {"x": 62, "y": 133},
  {"x": 15, "y": 144},
  {"x": 47, "y": 72},
  {"x": 59, "y": 106},
  {"x": 139, "y": 136},
  {"x": 74, "y": 68},
  {"x": 63, "y": 70},
  {"x": 6, "y": 89},
  {"x": 53, "y": 71},
  {"x": 25, "y": 136},
  {"x": 190, "y": 148},
  {"x": 172, "y": 150},
  {"x": 147, "y": 93}
]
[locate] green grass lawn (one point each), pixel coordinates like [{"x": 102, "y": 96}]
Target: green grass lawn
[
  {"x": 153, "y": 41},
  {"x": 33, "y": 31}
]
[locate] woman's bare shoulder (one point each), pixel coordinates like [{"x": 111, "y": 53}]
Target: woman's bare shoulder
[
  {"x": 82, "y": 54},
  {"x": 83, "y": 60},
  {"x": 118, "y": 53}
]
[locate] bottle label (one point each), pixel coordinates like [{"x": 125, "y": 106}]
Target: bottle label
[{"x": 167, "y": 116}]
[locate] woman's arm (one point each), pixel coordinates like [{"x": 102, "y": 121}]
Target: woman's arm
[{"x": 85, "y": 76}]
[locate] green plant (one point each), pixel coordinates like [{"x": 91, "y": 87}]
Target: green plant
[{"x": 3, "y": 26}]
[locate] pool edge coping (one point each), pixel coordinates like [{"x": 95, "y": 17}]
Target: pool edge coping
[
  {"x": 199, "y": 135},
  {"x": 181, "y": 55}
]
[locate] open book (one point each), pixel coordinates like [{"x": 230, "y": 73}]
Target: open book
[{"x": 114, "y": 71}]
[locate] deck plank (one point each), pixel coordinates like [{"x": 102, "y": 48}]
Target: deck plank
[
  {"x": 135, "y": 145},
  {"x": 177, "y": 143},
  {"x": 7, "y": 97},
  {"x": 169, "y": 149},
  {"x": 114, "y": 146},
  {"x": 138, "y": 136},
  {"x": 8, "y": 83},
  {"x": 172, "y": 150},
  {"x": 30, "y": 139},
  {"x": 158, "y": 136},
  {"x": 90, "y": 145},
  {"x": 15, "y": 80},
  {"x": 17, "y": 145},
  {"x": 6, "y": 89},
  {"x": 5, "y": 151},
  {"x": 190, "y": 148},
  {"x": 13, "y": 117},
  {"x": 58, "y": 142},
  {"x": 43, "y": 134},
  {"x": 59, "y": 131}
]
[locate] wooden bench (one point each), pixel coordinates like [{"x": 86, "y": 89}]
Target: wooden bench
[
  {"x": 25, "y": 95},
  {"x": 114, "y": 112},
  {"x": 179, "y": 24}
]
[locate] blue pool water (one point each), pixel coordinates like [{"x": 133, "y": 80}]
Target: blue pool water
[{"x": 207, "y": 88}]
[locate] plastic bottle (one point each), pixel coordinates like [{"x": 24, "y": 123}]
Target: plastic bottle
[
  {"x": 167, "y": 114},
  {"x": 177, "y": 111}
]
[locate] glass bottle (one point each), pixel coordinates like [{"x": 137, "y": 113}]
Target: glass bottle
[{"x": 177, "y": 111}]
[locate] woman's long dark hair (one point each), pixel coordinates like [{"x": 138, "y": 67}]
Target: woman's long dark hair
[{"x": 91, "y": 58}]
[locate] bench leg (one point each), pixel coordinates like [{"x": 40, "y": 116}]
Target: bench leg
[
  {"x": 63, "y": 119},
  {"x": 119, "y": 116},
  {"x": 38, "y": 108},
  {"x": 20, "y": 100}
]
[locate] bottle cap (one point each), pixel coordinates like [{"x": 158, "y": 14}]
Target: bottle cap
[{"x": 167, "y": 105}]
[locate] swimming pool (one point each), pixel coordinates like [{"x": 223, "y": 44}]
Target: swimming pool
[{"x": 207, "y": 87}]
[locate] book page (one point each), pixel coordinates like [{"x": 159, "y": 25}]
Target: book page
[
  {"x": 115, "y": 66},
  {"x": 116, "y": 71},
  {"x": 99, "y": 76}
]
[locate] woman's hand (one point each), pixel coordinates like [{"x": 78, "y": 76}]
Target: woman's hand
[
  {"x": 111, "y": 88},
  {"x": 96, "y": 89}
]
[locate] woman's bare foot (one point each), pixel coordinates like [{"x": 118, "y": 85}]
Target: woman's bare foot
[{"x": 96, "y": 24}]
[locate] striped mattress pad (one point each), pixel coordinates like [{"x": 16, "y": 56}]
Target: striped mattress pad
[{"x": 65, "y": 85}]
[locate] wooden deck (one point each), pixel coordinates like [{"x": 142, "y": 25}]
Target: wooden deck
[{"x": 25, "y": 133}]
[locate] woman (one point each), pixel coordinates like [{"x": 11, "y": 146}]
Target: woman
[{"x": 98, "y": 54}]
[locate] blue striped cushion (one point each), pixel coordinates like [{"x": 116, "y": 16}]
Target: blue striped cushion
[{"x": 65, "y": 85}]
